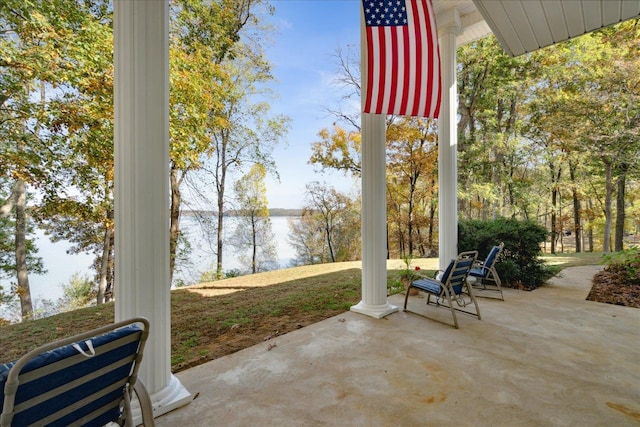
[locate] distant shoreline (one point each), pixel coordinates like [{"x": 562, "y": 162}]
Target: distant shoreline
[{"x": 272, "y": 212}]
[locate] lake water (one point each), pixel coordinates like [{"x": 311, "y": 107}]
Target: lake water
[
  {"x": 61, "y": 266},
  {"x": 203, "y": 255}
]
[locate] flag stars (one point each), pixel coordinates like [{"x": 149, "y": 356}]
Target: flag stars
[{"x": 385, "y": 13}]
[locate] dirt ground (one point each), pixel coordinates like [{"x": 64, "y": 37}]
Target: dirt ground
[{"x": 613, "y": 286}]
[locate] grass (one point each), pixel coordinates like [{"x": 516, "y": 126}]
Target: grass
[
  {"x": 557, "y": 262},
  {"x": 214, "y": 319}
]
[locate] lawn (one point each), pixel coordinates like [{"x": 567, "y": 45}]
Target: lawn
[{"x": 218, "y": 318}]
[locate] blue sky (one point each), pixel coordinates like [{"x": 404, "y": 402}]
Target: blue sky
[{"x": 308, "y": 32}]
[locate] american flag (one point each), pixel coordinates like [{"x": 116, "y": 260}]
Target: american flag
[{"x": 403, "y": 59}]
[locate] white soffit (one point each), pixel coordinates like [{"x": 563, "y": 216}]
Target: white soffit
[
  {"x": 523, "y": 26},
  {"x": 472, "y": 24}
]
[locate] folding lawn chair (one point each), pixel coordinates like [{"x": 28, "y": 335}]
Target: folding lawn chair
[
  {"x": 485, "y": 274},
  {"x": 86, "y": 379},
  {"x": 451, "y": 287}
]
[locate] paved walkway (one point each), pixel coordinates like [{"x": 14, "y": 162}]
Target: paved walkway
[{"x": 541, "y": 358}]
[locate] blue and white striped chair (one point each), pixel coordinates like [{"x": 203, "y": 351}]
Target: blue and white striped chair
[
  {"x": 87, "y": 379},
  {"x": 450, "y": 287},
  {"x": 485, "y": 274}
]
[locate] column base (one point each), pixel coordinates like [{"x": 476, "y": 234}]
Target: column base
[
  {"x": 376, "y": 311},
  {"x": 173, "y": 396}
]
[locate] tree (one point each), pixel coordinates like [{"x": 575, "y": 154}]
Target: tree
[
  {"x": 589, "y": 97},
  {"x": 304, "y": 236},
  {"x": 79, "y": 292},
  {"x": 8, "y": 284},
  {"x": 338, "y": 149},
  {"x": 78, "y": 204},
  {"x": 521, "y": 116},
  {"x": 329, "y": 217},
  {"x": 490, "y": 86},
  {"x": 618, "y": 94},
  {"x": 43, "y": 46},
  {"x": 348, "y": 80},
  {"x": 215, "y": 72},
  {"x": 411, "y": 189},
  {"x": 200, "y": 39},
  {"x": 251, "y": 135},
  {"x": 253, "y": 231}
]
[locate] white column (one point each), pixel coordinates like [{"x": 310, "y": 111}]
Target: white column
[
  {"x": 374, "y": 207},
  {"x": 448, "y": 28},
  {"x": 141, "y": 103},
  {"x": 374, "y": 220}
]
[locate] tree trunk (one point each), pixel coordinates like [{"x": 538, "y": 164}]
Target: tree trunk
[
  {"x": 104, "y": 267},
  {"x": 606, "y": 240},
  {"x": 576, "y": 207},
  {"x": 432, "y": 217},
  {"x": 220, "y": 229},
  {"x": 410, "y": 214},
  {"x": 432, "y": 221},
  {"x": 254, "y": 244},
  {"x": 24, "y": 291},
  {"x": 327, "y": 229},
  {"x": 620, "y": 211},
  {"x": 590, "y": 231},
  {"x": 174, "y": 214},
  {"x": 555, "y": 193},
  {"x": 577, "y": 221},
  {"x": 221, "y": 178},
  {"x": 496, "y": 178}
]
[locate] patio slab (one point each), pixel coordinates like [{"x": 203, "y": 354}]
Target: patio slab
[{"x": 541, "y": 358}]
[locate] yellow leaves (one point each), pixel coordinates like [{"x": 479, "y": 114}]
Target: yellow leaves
[
  {"x": 196, "y": 103},
  {"x": 20, "y": 291},
  {"x": 337, "y": 149}
]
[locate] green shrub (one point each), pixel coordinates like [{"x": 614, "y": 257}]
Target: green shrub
[
  {"x": 519, "y": 264},
  {"x": 234, "y": 272},
  {"x": 627, "y": 261}
]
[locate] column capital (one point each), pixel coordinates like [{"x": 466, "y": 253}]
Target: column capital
[{"x": 449, "y": 22}]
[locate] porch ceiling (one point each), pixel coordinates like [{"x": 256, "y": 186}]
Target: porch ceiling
[{"x": 523, "y": 26}]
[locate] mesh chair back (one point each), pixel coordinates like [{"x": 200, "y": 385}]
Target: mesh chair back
[
  {"x": 460, "y": 270},
  {"x": 491, "y": 258},
  {"x": 81, "y": 382}
]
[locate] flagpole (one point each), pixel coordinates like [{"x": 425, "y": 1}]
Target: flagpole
[{"x": 374, "y": 207}]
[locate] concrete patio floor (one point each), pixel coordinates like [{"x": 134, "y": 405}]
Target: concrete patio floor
[{"x": 541, "y": 358}]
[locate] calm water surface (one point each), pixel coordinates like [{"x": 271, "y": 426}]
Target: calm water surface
[{"x": 61, "y": 266}]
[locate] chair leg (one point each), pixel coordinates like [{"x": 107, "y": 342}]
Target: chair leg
[
  {"x": 453, "y": 310},
  {"x": 496, "y": 280},
  {"x": 473, "y": 298},
  {"x": 495, "y": 285},
  {"x": 406, "y": 296}
]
